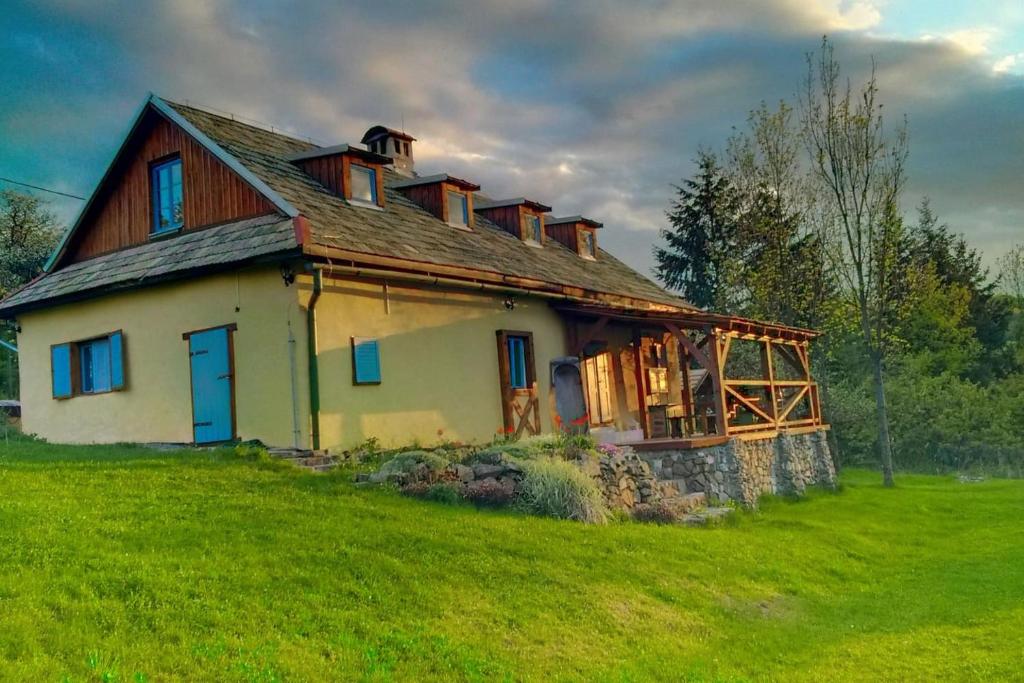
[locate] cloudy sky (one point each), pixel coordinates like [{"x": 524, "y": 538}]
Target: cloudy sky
[{"x": 594, "y": 107}]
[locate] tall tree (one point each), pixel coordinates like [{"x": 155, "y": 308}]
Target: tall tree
[
  {"x": 862, "y": 169},
  {"x": 699, "y": 258}
]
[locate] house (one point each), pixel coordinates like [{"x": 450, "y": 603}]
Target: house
[{"x": 225, "y": 281}]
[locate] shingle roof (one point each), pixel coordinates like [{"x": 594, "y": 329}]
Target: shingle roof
[
  {"x": 402, "y": 231},
  {"x": 241, "y": 241},
  {"x": 405, "y": 230}
]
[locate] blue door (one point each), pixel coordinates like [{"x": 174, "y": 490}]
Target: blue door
[{"x": 212, "y": 385}]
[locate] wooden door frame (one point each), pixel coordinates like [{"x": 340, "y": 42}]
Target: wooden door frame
[{"x": 231, "y": 328}]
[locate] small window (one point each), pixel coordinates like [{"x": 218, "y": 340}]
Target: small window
[
  {"x": 458, "y": 209},
  {"x": 168, "y": 203},
  {"x": 517, "y": 362},
  {"x": 365, "y": 361},
  {"x": 364, "y": 184},
  {"x": 599, "y": 393},
  {"x": 93, "y": 366},
  {"x": 589, "y": 248},
  {"x": 534, "y": 232},
  {"x": 405, "y": 146}
]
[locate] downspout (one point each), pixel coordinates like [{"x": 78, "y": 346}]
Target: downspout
[{"x": 314, "y": 371}]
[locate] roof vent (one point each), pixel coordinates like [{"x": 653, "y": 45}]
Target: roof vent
[{"x": 393, "y": 143}]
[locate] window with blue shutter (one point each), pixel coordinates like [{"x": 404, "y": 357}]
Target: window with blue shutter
[
  {"x": 364, "y": 184},
  {"x": 365, "y": 361},
  {"x": 458, "y": 209},
  {"x": 60, "y": 370},
  {"x": 517, "y": 362},
  {"x": 91, "y": 366},
  {"x": 168, "y": 196}
]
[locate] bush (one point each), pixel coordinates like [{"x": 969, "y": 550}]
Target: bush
[
  {"x": 556, "y": 488},
  {"x": 659, "y": 513},
  {"x": 441, "y": 492},
  {"x": 404, "y": 463},
  {"x": 488, "y": 493}
]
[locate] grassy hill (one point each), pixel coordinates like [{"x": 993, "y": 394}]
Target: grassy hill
[{"x": 129, "y": 564}]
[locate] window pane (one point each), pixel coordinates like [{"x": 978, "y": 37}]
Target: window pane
[
  {"x": 94, "y": 358},
  {"x": 364, "y": 184},
  {"x": 533, "y": 231},
  {"x": 457, "y": 208},
  {"x": 588, "y": 243},
  {"x": 85, "y": 360}
]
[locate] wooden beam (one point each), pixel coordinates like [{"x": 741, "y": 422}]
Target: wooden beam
[
  {"x": 718, "y": 385},
  {"x": 751, "y": 406},
  {"x": 589, "y": 335},
  {"x": 691, "y": 348},
  {"x": 793, "y": 403},
  {"x": 769, "y": 369},
  {"x": 689, "y": 417},
  {"x": 638, "y": 370}
]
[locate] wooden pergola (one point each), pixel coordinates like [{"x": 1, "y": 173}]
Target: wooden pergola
[{"x": 783, "y": 397}]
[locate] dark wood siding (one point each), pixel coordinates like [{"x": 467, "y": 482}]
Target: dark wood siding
[
  {"x": 507, "y": 217},
  {"x": 566, "y": 233},
  {"x": 122, "y": 217}
]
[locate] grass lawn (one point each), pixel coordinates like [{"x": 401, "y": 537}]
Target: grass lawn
[{"x": 119, "y": 563}]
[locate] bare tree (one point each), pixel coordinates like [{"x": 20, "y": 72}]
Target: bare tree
[
  {"x": 1011, "y": 273},
  {"x": 862, "y": 171}
]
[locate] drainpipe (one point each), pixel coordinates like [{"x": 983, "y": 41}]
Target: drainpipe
[{"x": 314, "y": 372}]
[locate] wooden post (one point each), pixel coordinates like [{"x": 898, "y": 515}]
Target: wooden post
[
  {"x": 690, "y": 417},
  {"x": 768, "y": 370},
  {"x": 641, "y": 393},
  {"x": 718, "y": 384}
]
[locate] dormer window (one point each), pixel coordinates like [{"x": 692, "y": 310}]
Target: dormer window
[
  {"x": 168, "y": 196},
  {"x": 448, "y": 198},
  {"x": 588, "y": 244},
  {"x": 534, "y": 229},
  {"x": 458, "y": 209},
  {"x": 577, "y": 233},
  {"x": 363, "y": 184}
]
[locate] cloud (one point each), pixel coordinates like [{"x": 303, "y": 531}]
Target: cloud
[{"x": 596, "y": 108}]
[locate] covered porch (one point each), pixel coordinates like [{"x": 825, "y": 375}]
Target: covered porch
[{"x": 660, "y": 380}]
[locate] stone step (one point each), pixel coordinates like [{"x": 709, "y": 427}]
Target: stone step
[{"x": 312, "y": 460}]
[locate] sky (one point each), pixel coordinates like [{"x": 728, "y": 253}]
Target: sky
[{"x": 595, "y": 108}]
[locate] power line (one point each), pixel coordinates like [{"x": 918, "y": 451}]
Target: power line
[{"x": 44, "y": 189}]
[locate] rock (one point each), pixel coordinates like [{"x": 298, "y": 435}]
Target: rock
[
  {"x": 464, "y": 474},
  {"x": 485, "y": 471}
]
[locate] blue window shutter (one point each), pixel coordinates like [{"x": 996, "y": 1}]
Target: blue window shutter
[
  {"x": 365, "y": 361},
  {"x": 60, "y": 369},
  {"x": 117, "y": 361}
]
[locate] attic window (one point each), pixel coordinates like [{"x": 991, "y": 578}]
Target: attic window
[
  {"x": 534, "y": 230},
  {"x": 364, "y": 184},
  {"x": 588, "y": 248},
  {"x": 458, "y": 209},
  {"x": 168, "y": 202}
]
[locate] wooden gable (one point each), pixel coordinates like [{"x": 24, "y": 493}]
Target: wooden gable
[{"x": 121, "y": 215}]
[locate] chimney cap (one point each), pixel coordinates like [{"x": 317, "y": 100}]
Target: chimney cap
[
  {"x": 551, "y": 220},
  {"x": 437, "y": 178},
  {"x": 365, "y": 155},
  {"x": 378, "y": 131},
  {"x": 483, "y": 204}
]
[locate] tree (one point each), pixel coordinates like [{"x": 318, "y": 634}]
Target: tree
[
  {"x": 1011, "y": 273},
  {"x": 699, "y": 258},
  {"x": 29, "y": 233},
  {"x": 862, "y": 170}
]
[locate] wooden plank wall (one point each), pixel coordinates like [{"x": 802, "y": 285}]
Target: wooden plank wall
[
  {"x": 431, "y": 197},
  {"x": 566, "y": 233},
  {"x": 506, "y": 217},
  {"x": 122, "y": 217}
]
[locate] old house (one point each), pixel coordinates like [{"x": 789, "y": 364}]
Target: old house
[{"x": 230, "y": 282}]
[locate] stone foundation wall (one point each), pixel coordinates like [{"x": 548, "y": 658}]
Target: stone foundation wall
[{"x": 744, "y": 470}]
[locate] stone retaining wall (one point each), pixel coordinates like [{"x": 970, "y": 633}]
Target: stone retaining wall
[{"x": 744, "y": 470}]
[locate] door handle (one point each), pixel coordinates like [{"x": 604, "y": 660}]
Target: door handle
[
  {"x": 202, "y": 424},
  {"x": 226, "y": 375}
]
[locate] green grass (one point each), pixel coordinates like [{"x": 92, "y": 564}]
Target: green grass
[{"x": 118, "y": 563}]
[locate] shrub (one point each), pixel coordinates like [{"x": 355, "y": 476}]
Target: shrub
[
  {"x": 488, "y": 494},
  {"x": 404, "y": 463},
  {"x": 557, "y": 488},
  {"x": 659, "y": 513},
  {"x": 440, "y": 492}
]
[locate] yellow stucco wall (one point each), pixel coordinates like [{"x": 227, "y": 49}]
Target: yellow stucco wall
[
  {"x": 157, "y": 404},
  {"x": 439, "y": 360}
]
